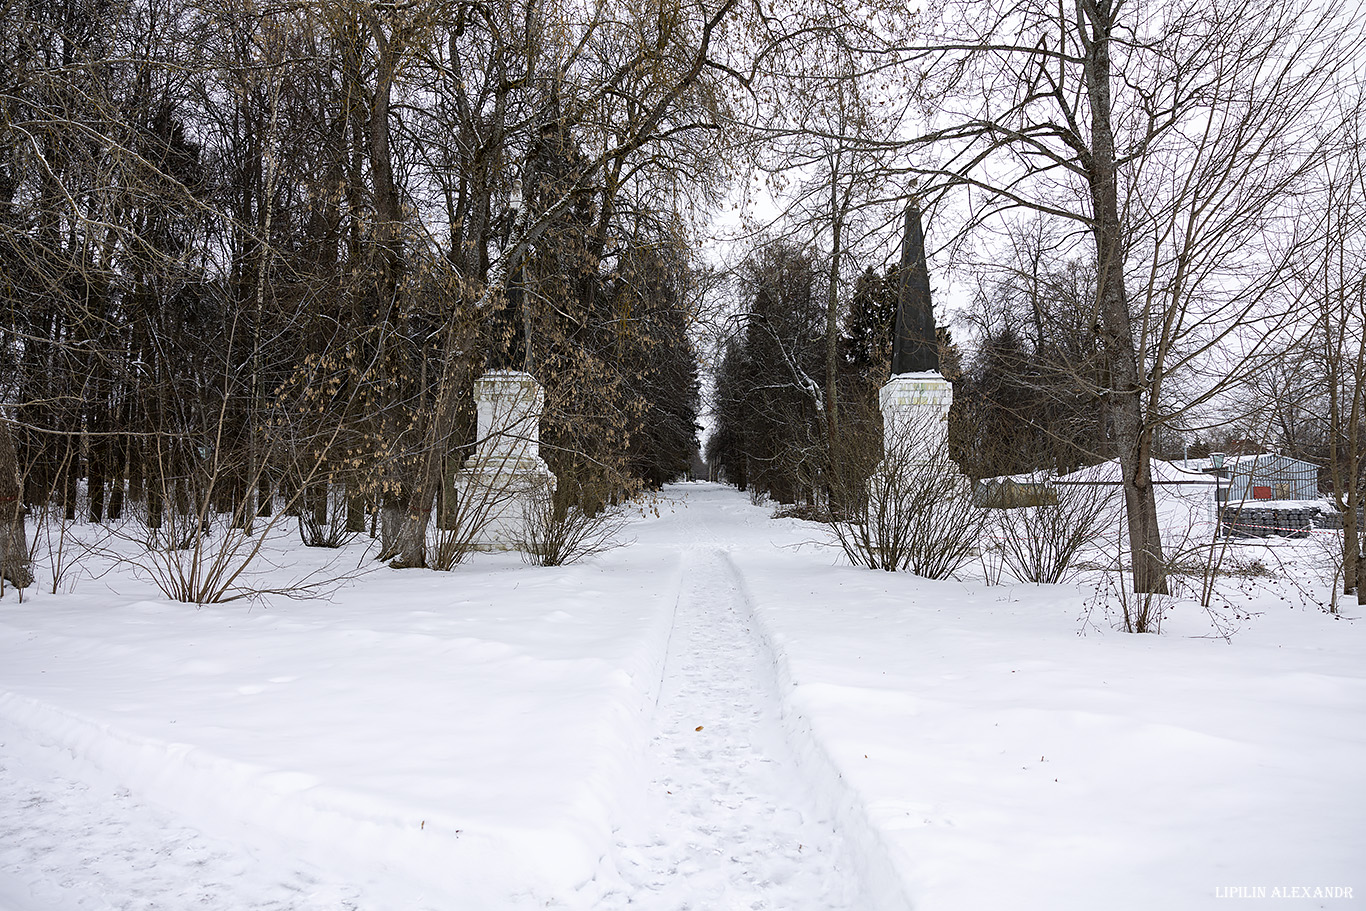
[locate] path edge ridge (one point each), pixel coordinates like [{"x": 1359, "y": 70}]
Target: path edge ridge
[{"x": 831, "y": 792}]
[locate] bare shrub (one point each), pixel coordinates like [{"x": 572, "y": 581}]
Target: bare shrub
[
  {"x": 323, "y": 520},
  {"x": 1138, "y": 612},
  {"x": 993, "y": 564},
  {"x": 855, "y": 454},
  {"x": 1310, "y": 572},
  {"x": 1206, "y": 573},
  {"x": 918, "y": 515},
  {"x": 1041, "y": 543},
  {"x": 554, "y": 533},
  {"x": 460, "y": 526},
  {"x": 468, "y": 510},
  {"x": 805, "y": 512},
  {"x": 1328, "y": 551},
  {"x": 199, "y": 556},
  {"x": 64, "y": 550},
  {"x": 203, "y": 568}
]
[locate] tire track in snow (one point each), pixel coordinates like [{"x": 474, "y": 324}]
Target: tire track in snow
[{"x": 728, "y": 821}]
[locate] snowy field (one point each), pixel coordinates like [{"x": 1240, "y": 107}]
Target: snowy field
[{"x": 719, "y": 716}]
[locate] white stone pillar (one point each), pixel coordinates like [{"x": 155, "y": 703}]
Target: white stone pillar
[
  {"x": 915, "y": 413},
  {"x": 506, "y": 472}
]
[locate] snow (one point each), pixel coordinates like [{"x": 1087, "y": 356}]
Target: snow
[
  {"x": 511, "y": 736},
  {"x": 728, "y": 823},
  {"x": 984, "y": 734},
  {"x": 1322, "y": 504},
  {"x": 421, "y": 738},
  {"x": 1162, "y": 472}
]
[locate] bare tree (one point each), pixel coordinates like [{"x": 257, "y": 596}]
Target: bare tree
[
  {"x": 1338, "y": 345},
  {"x": 14, "y": 555},
  {"x": 1177, "y": 136}
]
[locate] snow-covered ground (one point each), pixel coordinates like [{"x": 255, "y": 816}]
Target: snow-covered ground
[{"x": 719, "y": 716}]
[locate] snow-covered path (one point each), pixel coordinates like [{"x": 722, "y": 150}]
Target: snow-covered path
[{"x": 729, "y": 823}]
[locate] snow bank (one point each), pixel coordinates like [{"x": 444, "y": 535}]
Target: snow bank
[
  {"x": 443, "y": 740},
  {"x": 1008, "y": 762}
]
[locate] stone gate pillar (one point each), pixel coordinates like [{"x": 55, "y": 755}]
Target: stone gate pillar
[
  {"x": 915, "y": 413},
  {"x": 506, "y": 472}
]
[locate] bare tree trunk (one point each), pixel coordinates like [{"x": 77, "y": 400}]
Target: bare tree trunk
[
  {"x": 94, "y": 484},
  {"x": 1352, "y": 555},
  {"x": 14, "y": 561},
  {"x": 355, "y": 510},
  {"x": 1361, "y": 571},
  {"x": 116, "y": 481},
  {"x": 1132, "y": 437},
  {"x": 403, "y": 527},
  {"x": 1351, "y": 551},
  {"x": 315, "y": 502},
  {"x": 1351, "y": 540},
  {"x": 70, "y": 478},
  {"x": 1353, "y": 560},
  {"x": 832, "y": 316},
  {"x": 411, "y": 534},
  {"x": 1344, "y": 430}
]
